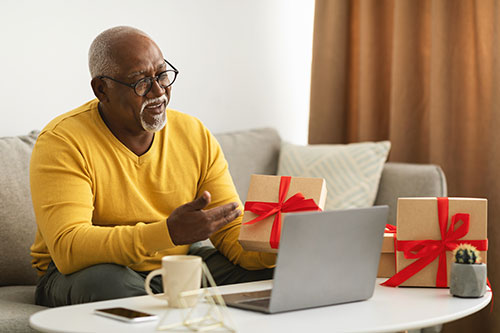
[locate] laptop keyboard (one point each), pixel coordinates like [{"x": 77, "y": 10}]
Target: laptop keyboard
[
  {"x": 263, "y": 302},
  {"x": 255, "y": 298}
]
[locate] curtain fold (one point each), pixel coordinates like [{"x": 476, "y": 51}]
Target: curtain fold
[{"x": 425, "y": 75}]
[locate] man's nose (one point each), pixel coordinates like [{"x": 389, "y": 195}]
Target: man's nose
[{"x": 156, "y": 89}]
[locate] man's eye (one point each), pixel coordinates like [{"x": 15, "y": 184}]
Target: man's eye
[{"x": 142, "y": 84}]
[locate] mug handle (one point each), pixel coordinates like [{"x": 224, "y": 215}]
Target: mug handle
[{"x": 148, "y": 281}]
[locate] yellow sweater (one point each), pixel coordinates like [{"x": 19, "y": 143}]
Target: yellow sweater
[{"x": 95, "y": 201}]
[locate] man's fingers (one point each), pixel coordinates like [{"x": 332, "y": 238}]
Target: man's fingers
[
  {"x": 190, "y": 223},
  {"x": 235, "y": 214},
  {"x": 226, "y": 219},
  {"x": 221, "y": 212},
  {"x": 201, "y": 202}
]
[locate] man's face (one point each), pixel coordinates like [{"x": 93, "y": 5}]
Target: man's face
[{"x": 138, "y": 57}]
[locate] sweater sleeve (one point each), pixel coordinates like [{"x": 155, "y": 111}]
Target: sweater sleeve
[
  {"x": 217, "y": 180},
  {"x": 62, "y": 190}
]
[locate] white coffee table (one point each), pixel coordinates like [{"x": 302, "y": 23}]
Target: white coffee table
[{"x": 389, "y": 310}]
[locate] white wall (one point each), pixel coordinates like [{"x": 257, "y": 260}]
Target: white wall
[{"x": 243, "y": 63}]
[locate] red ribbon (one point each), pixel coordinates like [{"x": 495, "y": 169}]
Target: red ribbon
[
  {"x": 390, "y": 229},
  {"x": 296, "y": 203},
  {"x": 426, "y": 251}
]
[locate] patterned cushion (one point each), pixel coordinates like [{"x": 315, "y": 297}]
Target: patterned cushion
[{"x": 352, "y": 171}]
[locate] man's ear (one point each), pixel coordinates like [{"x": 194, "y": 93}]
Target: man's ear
[{"x": 100, "y": 89}]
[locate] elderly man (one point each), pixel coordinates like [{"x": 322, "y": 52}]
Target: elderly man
[{"x": 122, "y": 181}]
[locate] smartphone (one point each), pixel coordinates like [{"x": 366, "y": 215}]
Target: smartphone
[{"x": 124, "y": 314}]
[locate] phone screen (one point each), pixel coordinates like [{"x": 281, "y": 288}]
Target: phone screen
[{"x": 125, "y": 313}]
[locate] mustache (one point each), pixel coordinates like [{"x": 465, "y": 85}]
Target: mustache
[{"x": 162, "y": 98}]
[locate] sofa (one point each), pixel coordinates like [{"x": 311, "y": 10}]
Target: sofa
[{"x": 247, "y": 152}]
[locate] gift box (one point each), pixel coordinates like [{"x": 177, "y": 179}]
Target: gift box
[
  {"x": 428, "y": 230},
  {"x": 269, "y": 199},
  {"x": 387, "y": 263}
]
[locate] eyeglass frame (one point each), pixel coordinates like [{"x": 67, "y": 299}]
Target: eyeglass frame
[{"x": 155, "y": 78}]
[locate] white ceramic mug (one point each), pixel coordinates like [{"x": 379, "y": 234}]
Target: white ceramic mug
[{"x": 181, "y": 274}]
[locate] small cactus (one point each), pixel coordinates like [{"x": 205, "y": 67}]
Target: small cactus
[{"x": 466, "y": 254}]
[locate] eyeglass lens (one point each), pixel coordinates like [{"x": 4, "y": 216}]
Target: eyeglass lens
[{"x": 164, "y": 80}]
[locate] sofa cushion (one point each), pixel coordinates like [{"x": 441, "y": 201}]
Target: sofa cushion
[
  {"x": 250, "y": 152},
  {"x": 16, "y": 306},
  {"x": 352, "y": 171},
  {"x": 17, "y": 220}
]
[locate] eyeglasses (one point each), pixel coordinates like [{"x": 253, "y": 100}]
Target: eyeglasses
[{"x": 143, "y": 86}]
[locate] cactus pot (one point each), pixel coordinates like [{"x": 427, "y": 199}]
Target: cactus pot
[{"x": 468, "y": 280}]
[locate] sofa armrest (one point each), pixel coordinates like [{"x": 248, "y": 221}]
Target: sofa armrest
[{"x": 409, "y": 180}]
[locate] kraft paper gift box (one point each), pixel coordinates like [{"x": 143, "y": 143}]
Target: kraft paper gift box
[
  {"x": 387, "y": 263},
  {"x": 421, "y": 233},
  {"x": 257, "y": 236}
]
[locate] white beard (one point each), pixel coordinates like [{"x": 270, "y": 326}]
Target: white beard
[{"x": 159, "y": 120}]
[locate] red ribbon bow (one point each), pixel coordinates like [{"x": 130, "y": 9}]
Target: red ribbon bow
[
  {"x": 296, "y": 203},
  {"x": 390, "y": 229},
  {"x": 428, "y": 250}
]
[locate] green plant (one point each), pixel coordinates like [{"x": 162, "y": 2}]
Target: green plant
[{"x": 466, "y": 254}]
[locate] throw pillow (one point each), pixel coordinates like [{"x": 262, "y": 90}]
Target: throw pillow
[{"x": 352, "y": 171}]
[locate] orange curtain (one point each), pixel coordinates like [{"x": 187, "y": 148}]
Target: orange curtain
[{"x": 425, "y": 75}]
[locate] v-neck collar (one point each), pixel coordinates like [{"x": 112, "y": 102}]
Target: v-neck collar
[{"x": 117, "y": 143}]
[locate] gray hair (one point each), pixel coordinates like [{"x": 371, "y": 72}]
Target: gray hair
[{"x": 101, "y": 59}]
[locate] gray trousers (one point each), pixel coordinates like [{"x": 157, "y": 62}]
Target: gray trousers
[{"x": 111, "y": 281}]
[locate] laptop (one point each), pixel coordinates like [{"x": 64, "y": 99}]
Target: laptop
[{"x": 324, "y": 258}]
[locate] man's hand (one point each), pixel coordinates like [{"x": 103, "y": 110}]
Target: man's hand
[{"x": 189, "y": 223}]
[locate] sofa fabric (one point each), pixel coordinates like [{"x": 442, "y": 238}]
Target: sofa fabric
[
  {"x": 250, "y": 152},
  {"x": 409, "y": 180},
  {"x": 17, "y": 219},
  {"x": 247, "y": 152},
  {"x": 17, "y": 303}
]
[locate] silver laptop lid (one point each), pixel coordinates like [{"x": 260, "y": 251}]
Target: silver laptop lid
[{"x": 328, "y": 258}]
